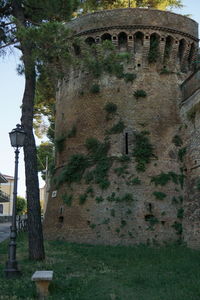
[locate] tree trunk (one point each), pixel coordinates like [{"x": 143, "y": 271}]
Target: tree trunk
[{"x": 35, "y": 234}]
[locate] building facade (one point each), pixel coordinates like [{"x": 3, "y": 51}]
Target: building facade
[
  {"x": 6, "y": 195},
  {"x": 122, "y": 164}
]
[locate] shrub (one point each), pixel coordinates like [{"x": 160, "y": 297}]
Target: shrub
[
  {"x": 74, "y": 170},
  {"x": 159, "y": 195},
  {"x": 95, "y": 88},
  {"x": 151, "y": 219},
  {"x": 178, "y": 227},
  {"x": 129, "y": 77},
  {"x": 177, "y": 141},
  {"x": 135, "y": 181},
  {"x": 67, "y": 199},
  {"x": 59, "y": 143},
  {"x": 143, "y": 151},
  {"x": 72, "y": 132},
  {"x": 110, "y": 108},
  {"x": 117, "y": 128},
  {"x": 180, "y": 213},
  {"x": 140, "y": 94},
  {"x": 181, "y": 153},
  {"x": 82, "y": 198},
  {"x": 99, "y": 199}
]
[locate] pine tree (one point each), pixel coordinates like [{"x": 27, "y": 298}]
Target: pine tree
[{"x": 24, "y": 23}]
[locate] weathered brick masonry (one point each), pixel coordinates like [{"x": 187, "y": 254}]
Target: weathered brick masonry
[{"x": 115, "y": 201}]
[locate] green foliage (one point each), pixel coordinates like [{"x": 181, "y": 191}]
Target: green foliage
[
  {"x": 74, "y": 170},
  {"x": 92, "y": 226},
  {"x": 72, "y": 132},
  {"x": 110, "y": 108},
  {"x": 59, "y": 143},
  {"x": 159, "y": 195},
  {"x": 135, "y": 181},
  {"x": 82, "y": 198},
  {"x": 177, "y": 141},
  {"x": 163, "y": 178},
  {"x": 90, "y": 191},
  {"x": 128, "y": 198},
  {"x": 129, "y": 77},
  {"x": 121, "y": 170},
  {"x": 152, "y": 220},
  {"x": 44, "y": 153},
  {"x": 117, "y": 128},
  {"x": 165, "y": 71},
  {"x": 95, "y": 88},
  {"x": 89, "y": 176},
  {"x": 143, "y": 151},
  {"x": 177, "y": 200},
  {"x": 99, "y": 199},
  {"x": 92, "y": 5},
  {"x": 123, "y": 223},
  {"x": 124, "y": 158},
  {"x": 67, "y": 199},
  {"x": 98, "y": 157},
  {"x": 140, "y": 94},
  {"x": 191, "y": 114},
  {"x": 178, "y": 227},
  {"x": 21, "y": 205},
  {"x": 180, "y": 213},
  {"x": 181, "y": 153}
]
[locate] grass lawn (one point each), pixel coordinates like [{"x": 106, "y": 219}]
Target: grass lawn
[{"x": 84, "y": 272}]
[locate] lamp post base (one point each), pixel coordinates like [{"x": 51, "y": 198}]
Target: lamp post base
[{"x": 11, "y": 270}]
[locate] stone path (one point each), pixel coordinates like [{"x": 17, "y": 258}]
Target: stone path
[{"x": 4, "y": 231}]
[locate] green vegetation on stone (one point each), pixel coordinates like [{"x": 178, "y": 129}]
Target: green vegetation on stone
[
  {"x": 117, "y": 128},
  {"x": 140, "y": 94},
  {"x": 67, "y": 199},
  {"x": 159, "y": 195},
  {"x": 177, "y": 141},
  {"x": 59, "y": 143},
  {"x": 95, "y": 89},
  {"x": 142, "y": 151}
]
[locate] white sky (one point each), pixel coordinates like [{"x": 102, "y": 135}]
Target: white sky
[{"x": 11, "y": 92}]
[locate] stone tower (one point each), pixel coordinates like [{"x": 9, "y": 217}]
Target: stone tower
[{"x": 121, "y": 162}]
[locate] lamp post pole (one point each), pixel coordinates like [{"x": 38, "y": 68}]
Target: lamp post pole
[
  {"x": 11, "y": 265},
  {"x": 17, "y": 136}
]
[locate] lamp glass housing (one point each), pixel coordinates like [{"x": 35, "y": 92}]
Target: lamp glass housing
[{"x": 17, "y": 136}]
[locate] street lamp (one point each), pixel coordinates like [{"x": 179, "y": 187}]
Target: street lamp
[{"x": 17, "y": 137}]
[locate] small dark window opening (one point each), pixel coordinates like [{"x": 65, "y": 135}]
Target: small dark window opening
[
  {"x": 1, "y": 208},
  {"x": 106, "y": 36},
  {"x": 130, "y": 37},
  {"x": 61, "y": 219},
  {"x": 181, "y": 49},
  {"x": 126, "y": 143},
  {"x": 162, "y": 39},
  {"x": 90, "y": 41},
  {"x": 114, "y": 37},
  {"x": 147, "y": 37},
  {"x": 139, "y": 65},
  {"x": 150, "y": 207}
]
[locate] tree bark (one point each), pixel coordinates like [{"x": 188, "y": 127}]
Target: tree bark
[{"x": 35, "y": 234}]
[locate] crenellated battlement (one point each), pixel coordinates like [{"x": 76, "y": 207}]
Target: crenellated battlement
[{"x": 151, "y": 36}]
